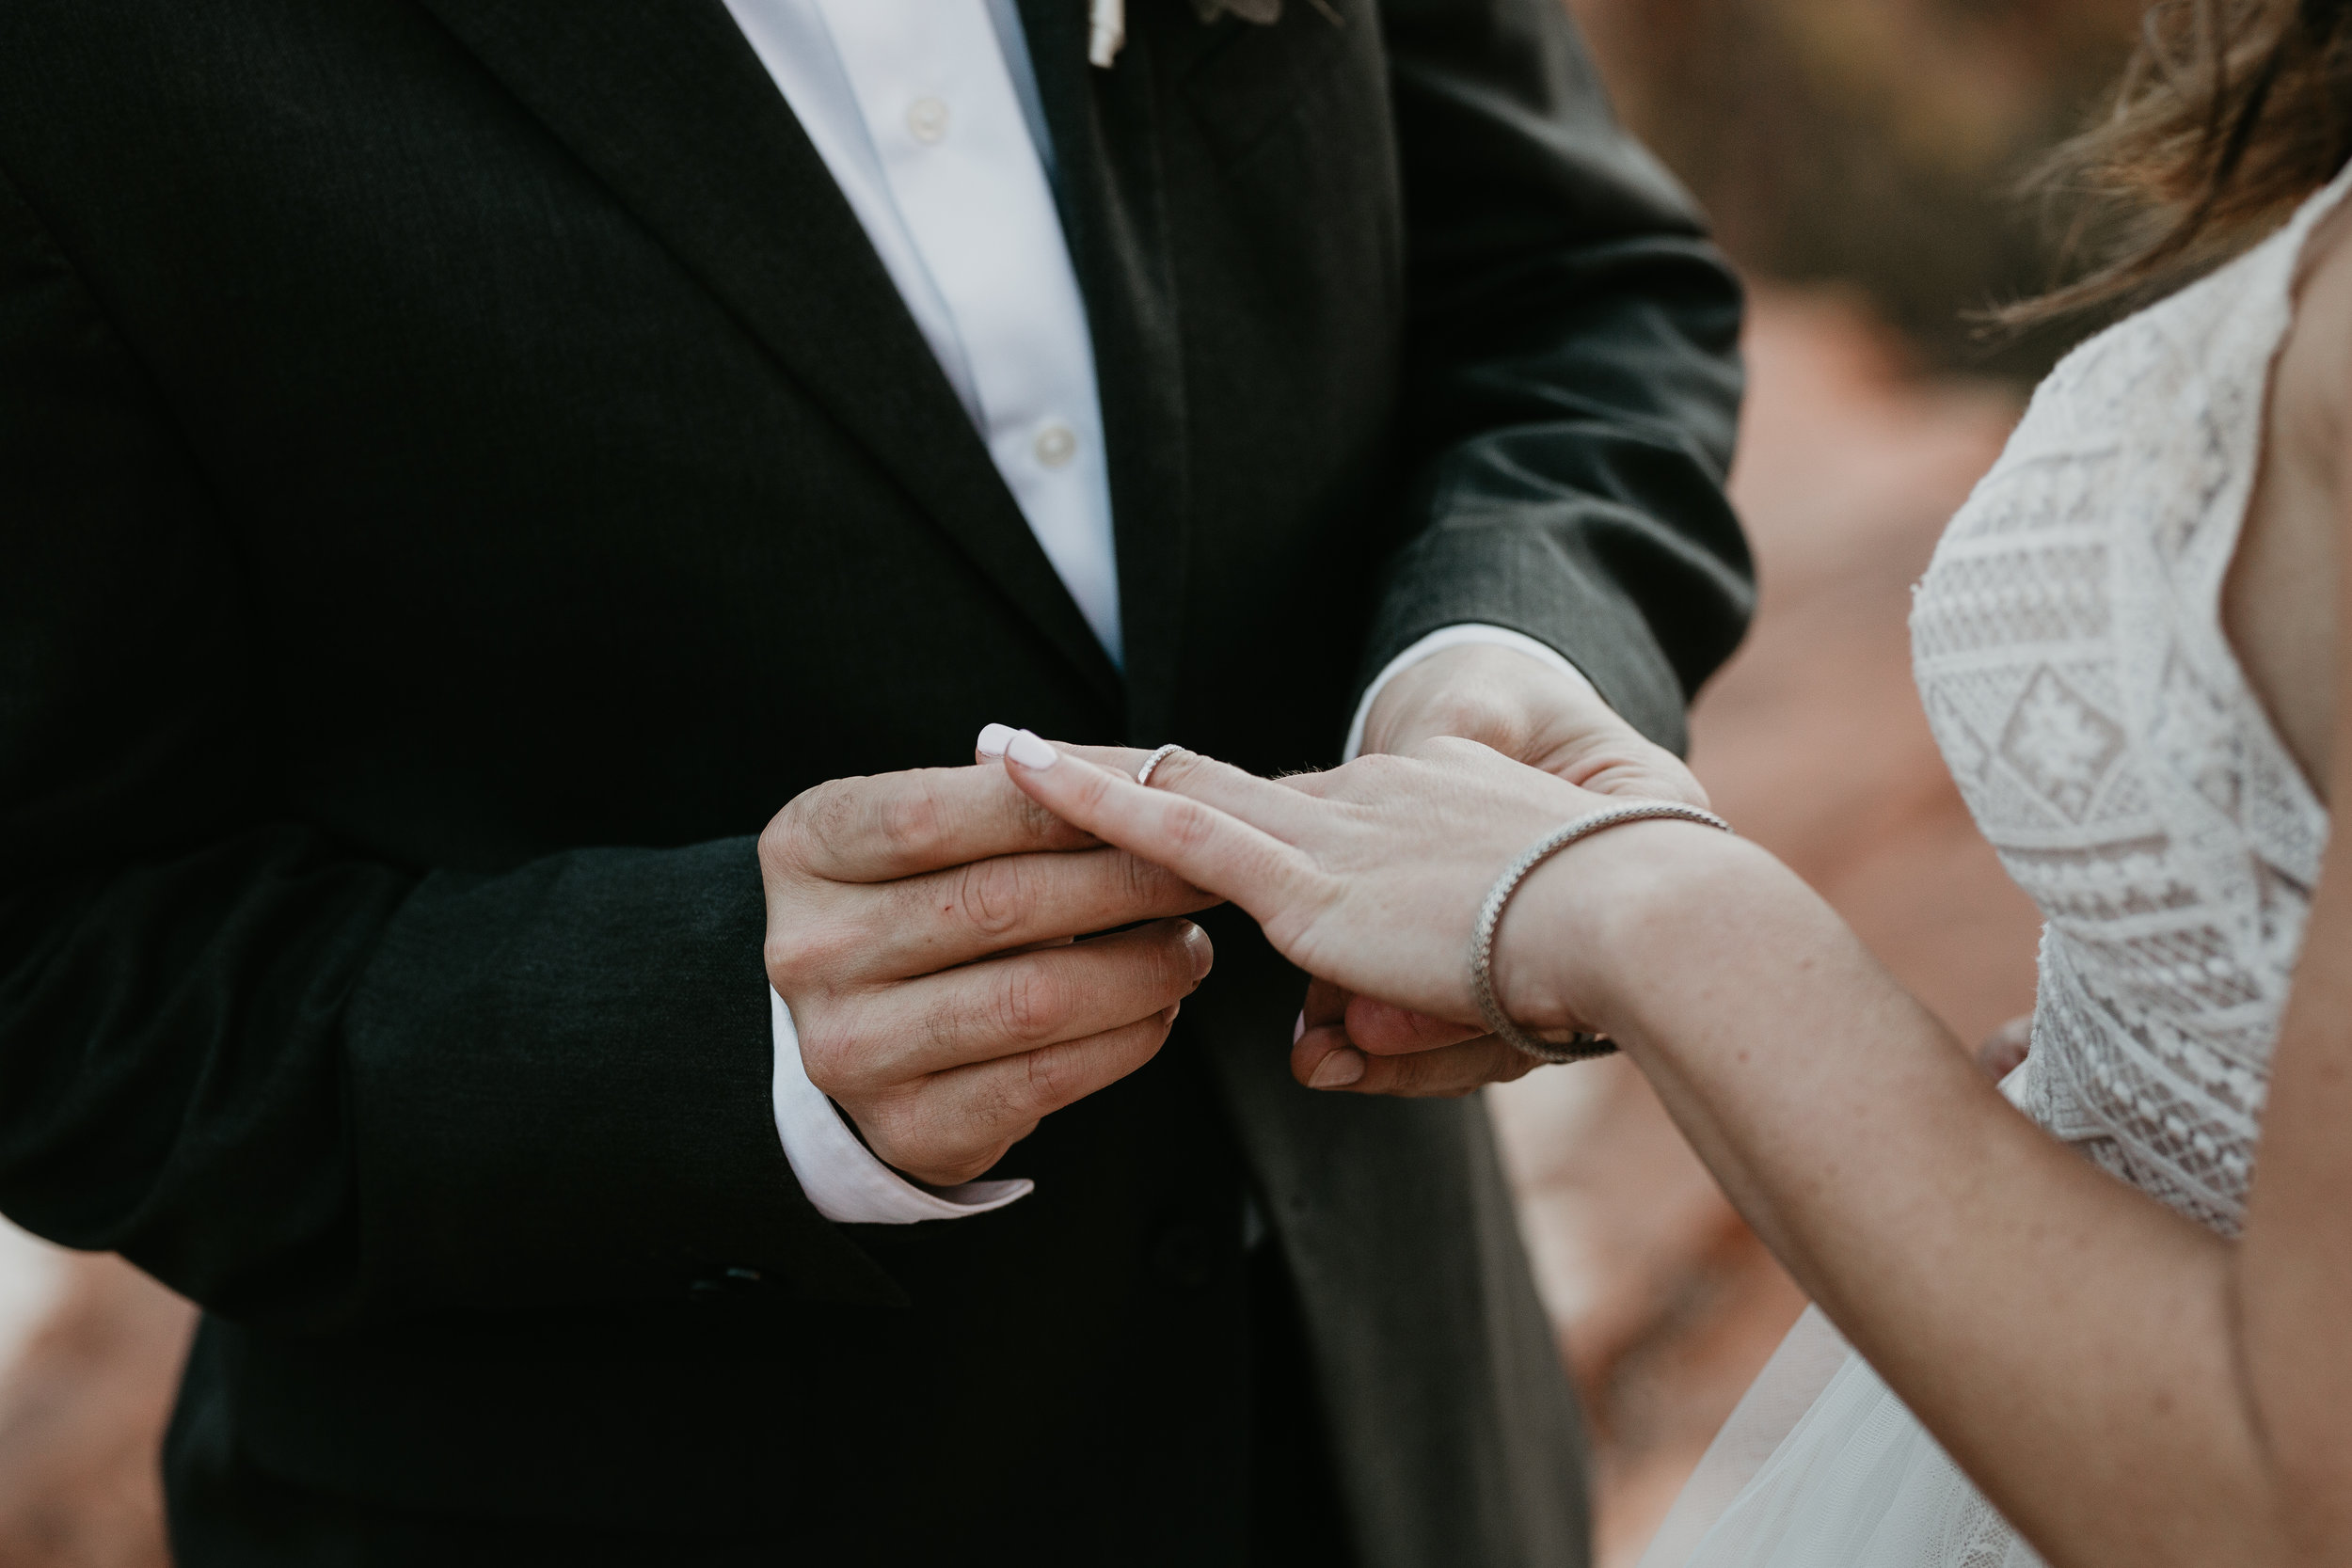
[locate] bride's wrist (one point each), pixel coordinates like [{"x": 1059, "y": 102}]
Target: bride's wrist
[{"x": 1588, "y": 925}]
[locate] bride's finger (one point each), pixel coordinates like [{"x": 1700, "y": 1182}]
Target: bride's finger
[
  {"x": 989, "y": 748},
  {"x": 1323, "y": 1059},
  {"x": 1209, "y": 847},
  {"x": 1267, "y": 804},
  {"x": 1385, "y": 1029}
]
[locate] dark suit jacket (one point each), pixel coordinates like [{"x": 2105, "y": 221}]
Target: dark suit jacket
[{"x": 462, "y": 469}]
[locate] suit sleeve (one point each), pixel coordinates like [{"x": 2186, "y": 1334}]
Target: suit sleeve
[
  {"x": 1572, "y": 379},
  {"x": 300, "y": 1084}
]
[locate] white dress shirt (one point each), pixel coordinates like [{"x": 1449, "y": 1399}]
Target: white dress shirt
[{"x": 926, "y": 113}]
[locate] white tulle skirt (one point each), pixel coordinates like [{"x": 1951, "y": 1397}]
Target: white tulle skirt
[{"x": 1821, "y": 1466}]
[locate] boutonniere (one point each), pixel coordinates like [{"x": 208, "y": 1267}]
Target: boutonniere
[{"x": 1106, "y": 30}]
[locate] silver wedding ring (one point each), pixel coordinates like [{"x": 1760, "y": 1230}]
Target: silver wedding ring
[{"x": 1143, "y": 774}]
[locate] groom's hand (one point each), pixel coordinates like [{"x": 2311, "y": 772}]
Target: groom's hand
[
  {"x": 1525, "y": 709},
  {"x": 920, "y": 926}
]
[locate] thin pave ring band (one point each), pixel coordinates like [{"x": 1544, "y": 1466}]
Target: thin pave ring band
[
  {"x": 1143, "y": 774},
  {"x": 1580, "y": 1046}
]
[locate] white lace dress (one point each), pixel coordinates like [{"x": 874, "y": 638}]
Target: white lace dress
[{"x": 2069, "y": 647}]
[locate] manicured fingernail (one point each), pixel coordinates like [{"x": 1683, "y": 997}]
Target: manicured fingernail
[
  {"x": 1029, "y": 751},
  {"x": 992, "y": 739},
  {"x": 1298, "y": 1030},
  {"x": 1336, "y": 1070}
]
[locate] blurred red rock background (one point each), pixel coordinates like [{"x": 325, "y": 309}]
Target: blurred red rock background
[{"x": 1860, "y": 158}]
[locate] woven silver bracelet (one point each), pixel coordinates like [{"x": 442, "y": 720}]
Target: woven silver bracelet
[{"x": 1580, "y": 1046}]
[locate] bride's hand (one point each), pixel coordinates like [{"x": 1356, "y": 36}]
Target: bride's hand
[
  {"x": 1531, "y": 712},
  {"x": 1370, "y": 876}
]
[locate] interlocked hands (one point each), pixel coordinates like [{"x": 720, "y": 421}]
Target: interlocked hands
[
  {"x": 928, "y": 929},
  {"x": 1370, "y": 876}
]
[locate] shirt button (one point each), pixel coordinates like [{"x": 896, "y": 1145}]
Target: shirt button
[
  {"x": 1056, "y": 444},
  {"x": 927, "y": 119}
]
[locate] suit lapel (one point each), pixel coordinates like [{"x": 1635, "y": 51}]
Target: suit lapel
[
  {"x": 665, "y": 103},
  {"x": 1114, "y": 211}
]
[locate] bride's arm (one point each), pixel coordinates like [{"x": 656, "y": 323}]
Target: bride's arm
[
  {"x": 2069, "y": 1341},
  {"x": 2125, "y": 1384}
]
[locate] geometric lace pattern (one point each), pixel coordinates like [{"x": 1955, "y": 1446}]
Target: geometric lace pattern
[{"x": 2067, "y": 645}]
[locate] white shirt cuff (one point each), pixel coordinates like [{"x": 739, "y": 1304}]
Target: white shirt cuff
[
  {"x": 1455, "y": 637},
  {"x": 839, "y": 1174}
]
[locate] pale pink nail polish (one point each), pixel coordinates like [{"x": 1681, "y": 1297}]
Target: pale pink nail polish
[
  {"x": 992, "y": 739},
  {"x": 1298, "y": 1030},
  {"x": 1031, "y": 752}
]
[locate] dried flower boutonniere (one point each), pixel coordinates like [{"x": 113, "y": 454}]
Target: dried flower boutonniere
[{"x": 1106, "y": 21}]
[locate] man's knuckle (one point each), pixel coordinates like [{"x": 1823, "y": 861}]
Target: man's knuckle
[
  {"x": 1048, "y": 1078},
  {"x": 941, "y": 1023},
  {"x": 827, "y": 813},
  {"x": 790, "y": 843},
  {"x": 971, "y": 1155},
  {"x": 1142, "y": 883},
  {"x": 1030, "y": 1003},
  {"x": 828, "y": 1056},
  {"x": 824, "y": 947},
  {"x": 833, "y": 948},
  {"x": 912, "y": 819},
  {"x": 780, "y": 955},
  {"x": 994, "y": 894},
  {"x": 904, "y": 1129}
]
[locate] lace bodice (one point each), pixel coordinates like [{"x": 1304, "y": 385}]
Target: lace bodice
[{"x": 2069, "y": 651}]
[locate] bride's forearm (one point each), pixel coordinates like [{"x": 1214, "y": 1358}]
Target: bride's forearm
[{"x": 2067, "y": 1339}]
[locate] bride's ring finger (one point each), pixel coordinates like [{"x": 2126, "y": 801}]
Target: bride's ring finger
[{"x": 1270, "y": 804}]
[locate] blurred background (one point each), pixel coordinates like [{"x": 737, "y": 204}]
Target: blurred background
[{"x": 1861, "y": 159}]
